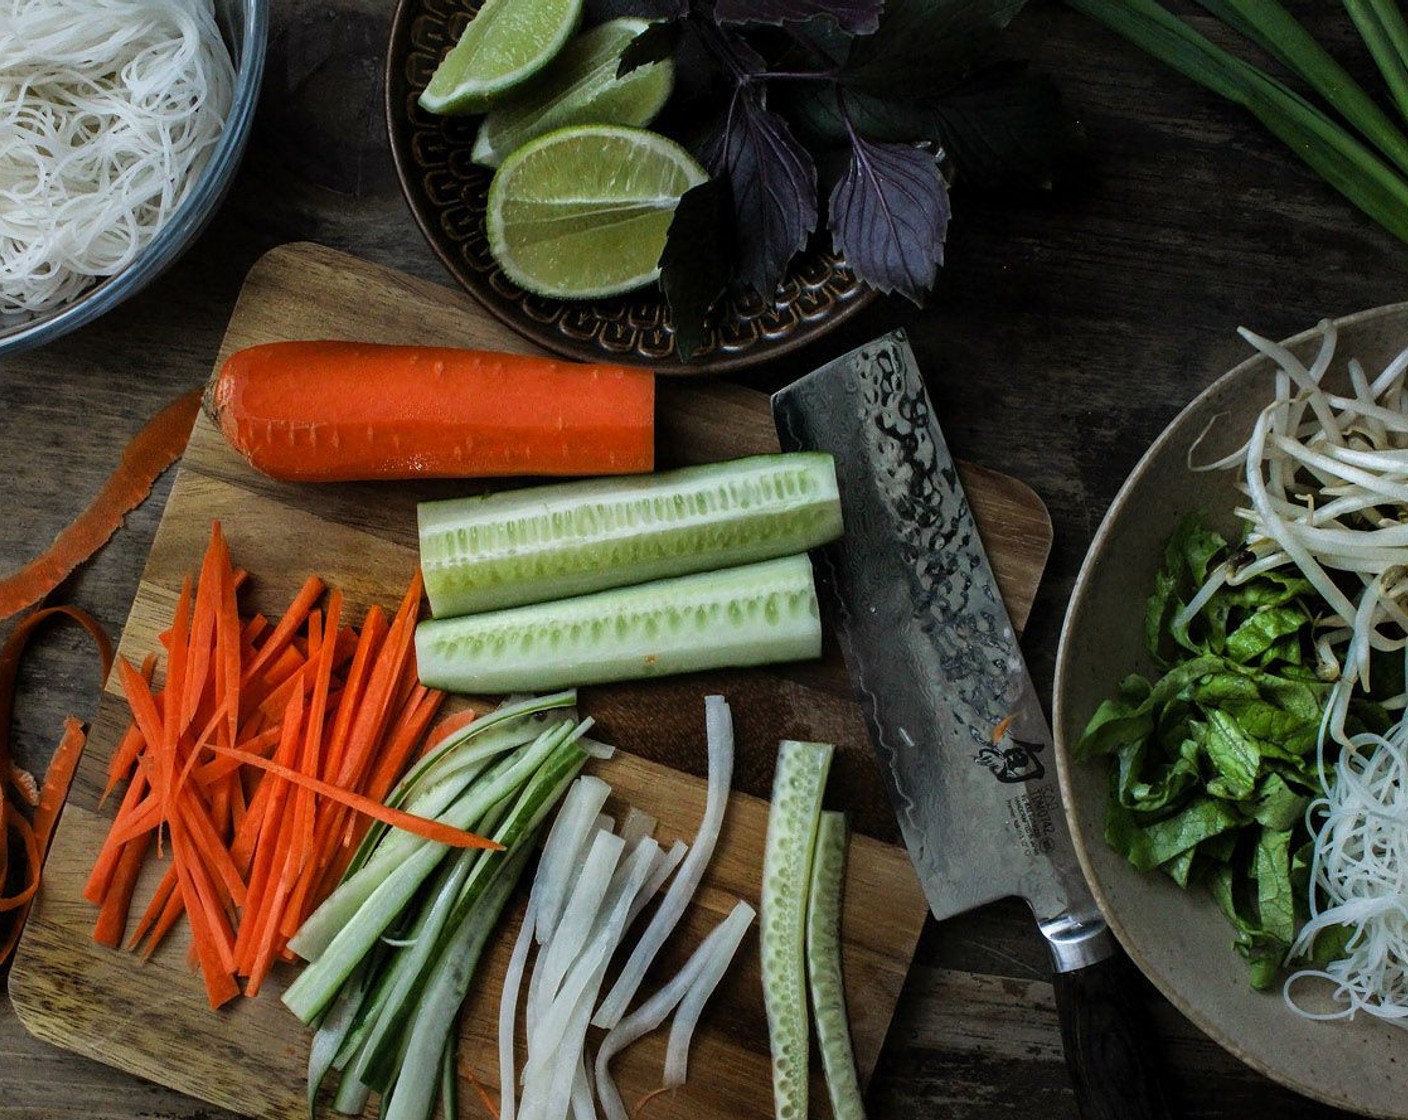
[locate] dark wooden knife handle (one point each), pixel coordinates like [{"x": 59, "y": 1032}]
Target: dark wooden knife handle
[{"x": 1109, "y": 1045}]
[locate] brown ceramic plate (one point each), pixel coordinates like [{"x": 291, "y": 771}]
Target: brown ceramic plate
[
  {"x": 1180, "y": 939},
  {"x": 447, "y": 194}
]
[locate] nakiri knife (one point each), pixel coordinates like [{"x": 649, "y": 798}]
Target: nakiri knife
[{"x": 958, "y": 728}]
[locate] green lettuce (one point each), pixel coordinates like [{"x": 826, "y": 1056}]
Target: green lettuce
[{"x": 1214, "y": 760}]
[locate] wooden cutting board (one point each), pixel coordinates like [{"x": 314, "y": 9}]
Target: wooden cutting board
[{"x": 150, "y": 1018}]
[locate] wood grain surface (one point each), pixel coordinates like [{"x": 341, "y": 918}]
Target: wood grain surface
[
  {"x": 1067, "y": 327},
  {"x": 361, "y": 538}
]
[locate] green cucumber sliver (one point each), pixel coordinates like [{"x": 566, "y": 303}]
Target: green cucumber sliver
[
  {"x": 553, "y": 542},
  {"x": 833, "y": 1032},
  {"x": 749, "y": 615},
  {"x": 797, "y": 790}
]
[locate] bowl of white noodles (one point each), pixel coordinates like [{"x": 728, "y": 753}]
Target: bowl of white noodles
[{"x": 123, "y": 123}]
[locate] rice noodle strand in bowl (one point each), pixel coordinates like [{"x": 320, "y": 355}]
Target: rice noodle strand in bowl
[
  {"x": 1360, "y": 870},
  {"x": 109, "y": 110}
]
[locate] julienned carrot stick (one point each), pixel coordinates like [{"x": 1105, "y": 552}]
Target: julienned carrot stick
[
  {"x": 455, "y": 721},
  {"x": 288, "y": 624},
  {"x": 117, "y": 899},
  {"x": 421, "y": 826},
  {"x": 339, "y": 709},
  {"x": 338, "y": 411}
]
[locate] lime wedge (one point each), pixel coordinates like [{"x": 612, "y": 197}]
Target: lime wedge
[
  {"x": 580, "y": 87},
  {"x": 583, "y": 211},
  {"x": 507, "y": 42}
]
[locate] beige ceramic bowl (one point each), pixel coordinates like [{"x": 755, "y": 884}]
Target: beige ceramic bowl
[{"x": 1180, "y": 940}]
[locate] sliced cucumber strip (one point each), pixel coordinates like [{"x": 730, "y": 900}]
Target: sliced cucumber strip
[
  {"x": 553, "y": 542},
  {"x": 833, "y": 1032},
  {"x": 787, "y": 857},
  {"x": 749, "y": 615}
]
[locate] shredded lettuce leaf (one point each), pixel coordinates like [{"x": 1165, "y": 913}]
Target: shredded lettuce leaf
[{"x": 1214, "y": 760}]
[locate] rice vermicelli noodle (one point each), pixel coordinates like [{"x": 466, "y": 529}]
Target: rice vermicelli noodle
[{"x": 109, "y": 109}]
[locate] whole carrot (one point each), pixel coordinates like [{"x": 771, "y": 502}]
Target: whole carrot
[{"x": 341, "y": 411}]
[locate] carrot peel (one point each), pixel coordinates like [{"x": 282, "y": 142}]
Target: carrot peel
[{"x": 153, "y": 449}]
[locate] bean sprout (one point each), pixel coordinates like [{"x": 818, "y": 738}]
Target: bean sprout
[{"x": 1326, "y": 475}]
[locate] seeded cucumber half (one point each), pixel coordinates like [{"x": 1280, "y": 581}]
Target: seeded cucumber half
[
  {"x": 747, "y": 615},
  {"x": 552, "y": 542}
]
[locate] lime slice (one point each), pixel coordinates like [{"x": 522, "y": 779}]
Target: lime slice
[
  {"x": 583, "y": 211},
  {"x": 580, "y": 87},
  {"x": 507, "y": 42}
]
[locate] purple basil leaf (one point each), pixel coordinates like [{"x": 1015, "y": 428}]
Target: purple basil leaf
[
  {"x": 695, "y": 266},
  {"x": 859, "y": 17},
  {"x": 655, "y": 44},
  {"x": 889, "y": 215},
  {"x": 773, "y": 183},
  {"x": 734, "y": 52}
]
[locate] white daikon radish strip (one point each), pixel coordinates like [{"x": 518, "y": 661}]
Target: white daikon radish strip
[
  {"x": 562, "y": 1037},
  {"x": 1360, "y": 870},
  {"x": 719, "y": 732},
  {"x": 583, "y": 1099},
  {"x": 549, "y": 1096},
  {"x": 542, "y": 985},
  {"x": 598, "y": 750},
  {"x": 566, "y": 842},
  {"x": 665, "y": 864},
  {"x": 583, "y": 979},
  {"x": 508, "y": 1009},
  {"x": 732, "y": 931},
  {"x": 657, "y": 1008},
  {"x": 578, "y": 918},
  {"x": 636, "y": 826},
  {"x": 109, "y": 110}
]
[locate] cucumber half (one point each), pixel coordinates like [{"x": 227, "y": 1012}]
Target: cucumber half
[
  {"x": 552, "y": 542},
  {"x": 748, "y": 615}
]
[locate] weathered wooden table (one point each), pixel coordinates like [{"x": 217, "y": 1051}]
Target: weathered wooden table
[{"x": 1065, "y": 331}]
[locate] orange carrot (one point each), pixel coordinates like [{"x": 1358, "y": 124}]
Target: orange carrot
[
  {"x": 57, "y": 780},
  {"x": 264, "y": 823},
  {"x": 50, "y": 798},
  {"x": 161, "y": 913},
  {"x": 117, "y": 901},
  {"x": 110, "y": 853},
  {"x": 250, "y": 860},
  {"x": 150, "y": 452},
  {"x": 421, "y": 826},
  {"x": 337, "y": 411},
  {"x": 15, "y": 820},
  {"x": 288, "y": 625},
  {"x": 455, "y": 721}
]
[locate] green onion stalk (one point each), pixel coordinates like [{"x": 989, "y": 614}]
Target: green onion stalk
[{"x": 1359, "y": 150}]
